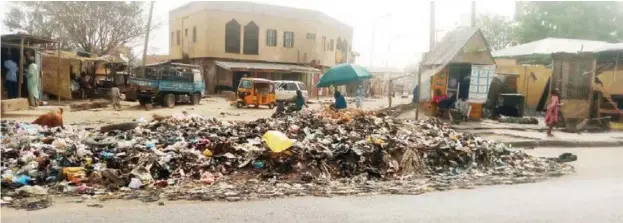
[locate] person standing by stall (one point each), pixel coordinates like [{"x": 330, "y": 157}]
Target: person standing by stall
[
  {"x": 32, "y": 79},
  {"x": 11, "y": 77},
  {"x": 551, "y": 118}
]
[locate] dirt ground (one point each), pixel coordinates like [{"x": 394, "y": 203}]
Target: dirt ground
[{"x": 209, "y": 107}]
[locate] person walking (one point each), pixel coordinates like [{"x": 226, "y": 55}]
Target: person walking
[
  {"x": 11, "y": 77},
  {"x": 115, "y": 95},
  {"x": 32, "y": 76},
  {"x": 551, "y": 117},
  {"x": 359, "y": 96}
]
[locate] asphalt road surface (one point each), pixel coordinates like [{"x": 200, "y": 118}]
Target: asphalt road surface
[{"x": 594, "y": 194}]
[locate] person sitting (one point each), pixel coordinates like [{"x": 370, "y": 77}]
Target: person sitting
[
  {"x": 442, "y": 102},
  {"x": 340, "y": 101},
  {"x": 300, "y": 100}
]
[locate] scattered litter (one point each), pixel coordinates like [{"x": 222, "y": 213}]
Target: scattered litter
[{"x": 311, "y": 152}]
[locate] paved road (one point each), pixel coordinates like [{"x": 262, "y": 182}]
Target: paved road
[{"x": 593, "y": 194}]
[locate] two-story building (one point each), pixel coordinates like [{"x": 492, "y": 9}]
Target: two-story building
[{"x": 233, "y": 39}]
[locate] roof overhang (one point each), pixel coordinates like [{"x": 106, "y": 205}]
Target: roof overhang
[
  {"x": 264, "y": 67},
  {"x": 29, "y": 39}
]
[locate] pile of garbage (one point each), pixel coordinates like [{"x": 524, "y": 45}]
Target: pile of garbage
[{"x": 321, "y": 153}]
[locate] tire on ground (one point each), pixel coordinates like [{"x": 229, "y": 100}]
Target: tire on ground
[{"x": 169, "y": 100}]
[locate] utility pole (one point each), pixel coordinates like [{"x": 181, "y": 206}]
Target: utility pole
[
  {"x": 431, "y": 45},
  {"x": 474, "y": 14},
  {"x": 58, "y": 70},
  {"x": 372, "y": 46},
  {"x": 151, "y": 10},
  {"x": 373, "y": 36}
]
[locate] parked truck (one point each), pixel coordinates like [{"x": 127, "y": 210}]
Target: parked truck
[{"x": 167, "y": 84}]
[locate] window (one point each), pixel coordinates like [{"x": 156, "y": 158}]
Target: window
[
  {"x": 172, "y": 39},
  {"x": 271, "y": 37},
  {"x": 178, "y": 37},
  {"x": 185, "y": 32},
  {"x": 251, "y": 39},
  {"x": 331, "y": 45},
  {"x": 288, "y": 39},
  {"x": 302, "y": 87},
  {"x": 232, "y": 37},
  {"x": 245, "y": 84},
  {"x": 338, "y": 44},
  {"x": 311, "y": 36},
  {"x": 290, "y": 87},
  {"x": 324, "y": 43},
  {"x": 194, "y": 34},
  {"x": 480, "y": 81}
]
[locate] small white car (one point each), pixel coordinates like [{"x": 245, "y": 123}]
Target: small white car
[{"x": 286, "y": 90}]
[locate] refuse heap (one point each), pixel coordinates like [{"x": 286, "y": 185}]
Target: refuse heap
[{"x": 320, "y": 152}]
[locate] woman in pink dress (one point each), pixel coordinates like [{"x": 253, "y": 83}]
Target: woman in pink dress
[{"x": 551, "y": 118}]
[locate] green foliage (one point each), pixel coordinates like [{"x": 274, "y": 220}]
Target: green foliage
[
  {"x": 498, "y": 30},
  {"x": 561, "y": 19},
  {"x": 597, "y": 20}
]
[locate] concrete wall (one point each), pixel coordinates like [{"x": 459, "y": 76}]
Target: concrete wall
[
  {"x": 535, "y": 88},
  {"x": 210, "y": 26}
]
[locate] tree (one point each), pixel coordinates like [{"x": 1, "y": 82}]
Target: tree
[
  {"x": 599, "y": 20},
  {"x": 94, "y": 27},
  {"x": 498, "y": 30}
]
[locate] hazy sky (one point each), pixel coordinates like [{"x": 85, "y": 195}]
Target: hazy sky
[{"x": 407, "y": 28}]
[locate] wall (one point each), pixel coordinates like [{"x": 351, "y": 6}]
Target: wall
[
  {"x": 535, "y": 87},
  {"x": 210, "y": 25},
  {"x": 50, "y": 75}
]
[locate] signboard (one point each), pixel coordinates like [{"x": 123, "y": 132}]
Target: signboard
[{"x": 480, "y": 81}]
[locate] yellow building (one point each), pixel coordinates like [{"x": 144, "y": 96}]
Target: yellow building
[{"x": 233, "y": 39}]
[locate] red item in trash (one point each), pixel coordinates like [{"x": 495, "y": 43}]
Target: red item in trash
[
  {"x": 161, "y": 183},
  {"x": 51, "y": 119},
  {"x": 208, "y": 178}
]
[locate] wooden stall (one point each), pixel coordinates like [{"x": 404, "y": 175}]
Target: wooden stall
[
  {"x": 22, "y": 46},
  {"x": 461, "y": 67}
]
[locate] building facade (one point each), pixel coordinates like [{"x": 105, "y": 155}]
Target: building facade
[{"x": 233, "y": 39}]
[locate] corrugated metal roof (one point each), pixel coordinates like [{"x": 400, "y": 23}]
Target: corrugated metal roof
[
  {"x": 550, "y": 46},
  {"x": 264, "y": 66},
  {"x": 16, "y": 38},
  {"x": 449, "y": 46},
  {"x": 69, "y": 55},
  {"x": 611, "y": 48}
]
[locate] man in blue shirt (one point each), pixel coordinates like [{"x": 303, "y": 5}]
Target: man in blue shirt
[
  {"x": 416, "y": 94},
  {"x": 11, "y": 77}
]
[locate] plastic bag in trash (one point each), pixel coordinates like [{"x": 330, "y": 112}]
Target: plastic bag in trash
[{"x": 277, "y": 141}]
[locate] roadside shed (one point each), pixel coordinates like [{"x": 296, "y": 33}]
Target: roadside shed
[{"x": 460, "y": 66}]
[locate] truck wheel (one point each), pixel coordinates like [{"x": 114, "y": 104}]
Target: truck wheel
[
  {"x": 271, "y": 105},
  {"x": 239, "y": 104},
  {"x": 169, "y": 100},
  {"x": 196, "y": 98}
]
